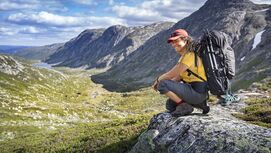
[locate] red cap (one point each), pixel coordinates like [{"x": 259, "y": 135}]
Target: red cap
[{"x": 177, "y": 34}]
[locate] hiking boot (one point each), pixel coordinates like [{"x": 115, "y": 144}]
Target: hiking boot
[
  {"x": 182, "y": 110},
  {"x": 171, "y": 105},
  {"x": 205, "y": 108}
]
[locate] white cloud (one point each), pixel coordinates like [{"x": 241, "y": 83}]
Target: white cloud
[
  {"x": 10, "y": 31},
  {"x": 15, "y": 6},
  {"x": 48, "y": 28},
  {"x": 49, "y": 19},
  {"x": 31, "y": 5},
  {"x": 126, "y": 11},
  {"x": 261, "y": 1},
  {"x": 7, "y": 31},
  {"x": 44, "y": 18},
  {"x": 86, "y": 2},
  {"x": 30, "y": 29},
  {"x": 157, "y": 10}
]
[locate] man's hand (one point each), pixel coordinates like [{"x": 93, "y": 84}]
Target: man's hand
[{"x": 155, "y": 84}]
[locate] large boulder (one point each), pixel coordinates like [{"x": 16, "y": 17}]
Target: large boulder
[{"x": 216, "y": 133}]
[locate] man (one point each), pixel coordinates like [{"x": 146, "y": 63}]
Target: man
[{"x": 183, "y": 88}]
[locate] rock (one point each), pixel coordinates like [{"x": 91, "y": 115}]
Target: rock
[
  {"x": 217, "y": 132},
  {"x": 9, "y": 65}
]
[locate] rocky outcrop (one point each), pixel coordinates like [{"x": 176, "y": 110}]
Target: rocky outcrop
[
  {"x": 242, "y": 20},
  {"x": 9, "y": 65},
  {"x": 217, "y": 132}
]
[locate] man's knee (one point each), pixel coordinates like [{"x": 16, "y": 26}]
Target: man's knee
[{"x": 163, "y": 87}]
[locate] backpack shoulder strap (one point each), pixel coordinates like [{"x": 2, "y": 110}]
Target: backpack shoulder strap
[{"x": 191, "y": 72}]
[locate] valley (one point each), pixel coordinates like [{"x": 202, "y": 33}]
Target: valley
[{"x": 58, "y": 108}]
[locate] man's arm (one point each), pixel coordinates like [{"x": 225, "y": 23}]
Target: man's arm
[
  {"x": 177, "y": 78},
  {"x": 174, "y": 73}
]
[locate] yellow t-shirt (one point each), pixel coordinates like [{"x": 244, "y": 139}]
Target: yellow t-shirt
[{"x": 188, "y": 59}]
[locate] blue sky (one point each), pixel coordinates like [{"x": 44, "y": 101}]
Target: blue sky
[{"x": 42, "y": 22}]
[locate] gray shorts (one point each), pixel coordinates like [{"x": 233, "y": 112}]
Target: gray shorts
[{"x": 182, "y": 90}]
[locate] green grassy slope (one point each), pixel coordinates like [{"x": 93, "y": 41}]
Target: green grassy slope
[{"x": 44, "y": 110}]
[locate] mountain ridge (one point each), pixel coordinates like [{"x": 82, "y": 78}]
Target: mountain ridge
[{"x": 109, "y": 48}]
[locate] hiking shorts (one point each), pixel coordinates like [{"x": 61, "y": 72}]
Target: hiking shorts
[{"x": 182, "y": 90}]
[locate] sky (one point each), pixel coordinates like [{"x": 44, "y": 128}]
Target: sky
[{"x": 43, "y": 22}]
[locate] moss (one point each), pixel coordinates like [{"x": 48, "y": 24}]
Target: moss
[
  {"x": 257, "y": 112},
  {"x": 212, "y": 99}
]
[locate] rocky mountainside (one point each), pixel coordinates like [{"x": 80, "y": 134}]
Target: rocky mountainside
[
  {"x": 38, "y": 53},
  {"x": 9, "y": 65},
  {"x": 244, "y": 22},
  {"x": 72, "y": 49},
  {"x": 107, "y": 48}
]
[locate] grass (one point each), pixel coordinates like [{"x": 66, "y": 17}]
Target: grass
[
  {"x": 245, "y": 83},
  {"x": 46, "y": 111},
  {"x": 257, "y": 112},
  {"x": 114, "y": 136}
]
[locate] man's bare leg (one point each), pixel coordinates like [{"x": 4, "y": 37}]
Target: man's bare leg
[{"x": 173, "y": 96}]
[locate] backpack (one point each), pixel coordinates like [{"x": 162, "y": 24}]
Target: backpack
[{"x": 218, "y": 61}]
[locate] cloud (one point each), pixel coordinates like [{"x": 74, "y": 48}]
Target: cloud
[
  {"x": 4, "y": 6},
  {"x": 135, "y": 13},
  {"x": 86, "y": 2},
  {"x": 30, "y": 30},
  {"x": 31, "y": 5},
  {"x": 44, "y": 18},
  {"x": 46, "y": 28},
  {"x": 48, "y": 19},
  {"x": 157, "y": 10},
  {"x": 261, "y": 1},
  {"x": 7, "y": 31},
  {"x": 10, "y": 31}
]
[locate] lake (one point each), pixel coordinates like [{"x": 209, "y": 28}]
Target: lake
[{"x": 42, "y": 65}]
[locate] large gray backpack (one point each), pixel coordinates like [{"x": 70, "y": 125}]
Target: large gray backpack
[{"x": 218, "y": 60}]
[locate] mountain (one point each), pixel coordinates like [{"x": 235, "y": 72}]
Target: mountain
[
  {"x": 242, "y": 20},
  {"x": 39, "y": 52},
  {"x": 107, "y": 49},
  {"x": 72, "y": 49},
  {"x": 9, "y": 49}
]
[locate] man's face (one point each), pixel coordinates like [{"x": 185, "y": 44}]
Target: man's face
[{"x": 178, "y": 44}]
